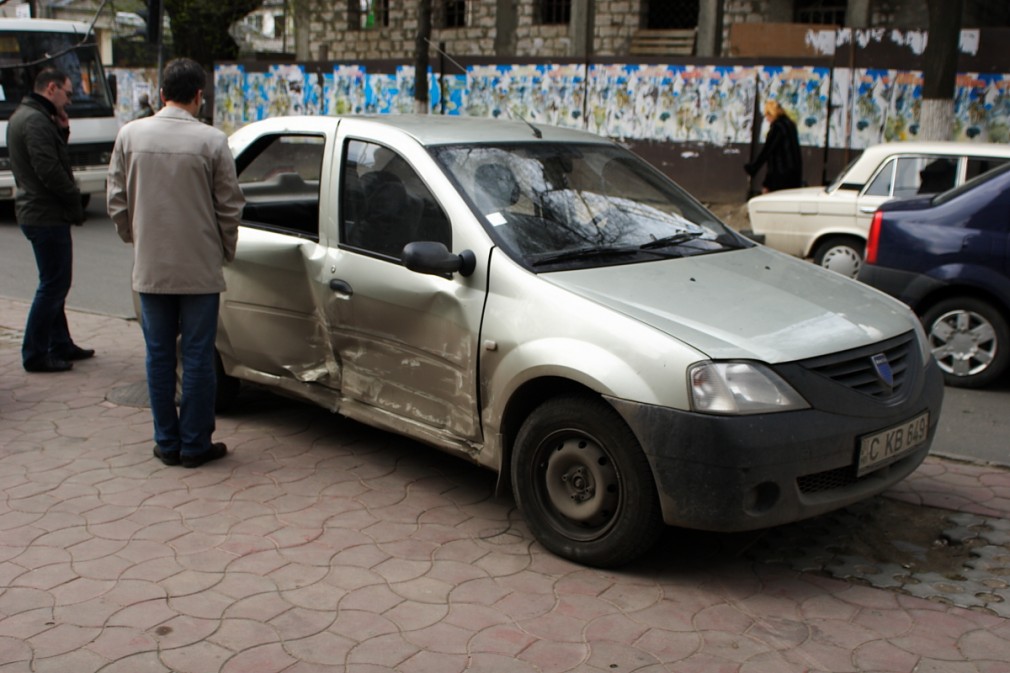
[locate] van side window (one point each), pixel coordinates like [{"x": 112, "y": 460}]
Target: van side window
[
  {"x": 384, "y": 203},
  {"x": 279, "y": 175}
]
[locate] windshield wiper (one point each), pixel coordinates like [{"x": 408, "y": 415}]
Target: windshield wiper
[
  {"x": 582, "y": 253},
  {"x": 669, "y": 241}
]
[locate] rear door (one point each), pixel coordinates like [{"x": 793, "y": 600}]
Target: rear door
[{"x": 268, "y": 324}]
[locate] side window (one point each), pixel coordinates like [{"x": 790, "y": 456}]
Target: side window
[
  {"x": 384, "y": 203},
  {"x": 279, "y": 175},
  {"x": 937, "y": 175},
  {"x": 881, "y": 184},
  {"x": 979, "y": 165}
]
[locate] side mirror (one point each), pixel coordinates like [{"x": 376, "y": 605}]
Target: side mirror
[
  {"x": 434, "y": 258},
  {"x": 113, "y": 88}
]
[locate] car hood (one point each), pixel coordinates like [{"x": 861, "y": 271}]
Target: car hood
[
  {"x": 785, "y": 200},
  {"x": 745, "y": 304}
]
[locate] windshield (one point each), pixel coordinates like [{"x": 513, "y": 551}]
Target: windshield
[
  {"x": 566, "y": 204},
  {"x": 41, "y": 49}
]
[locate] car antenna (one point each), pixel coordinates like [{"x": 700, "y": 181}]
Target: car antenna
[{"x": 536, "y": 131}]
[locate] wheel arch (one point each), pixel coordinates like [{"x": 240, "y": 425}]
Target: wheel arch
[
  {"x": 524, "y": 399},
  {"x": 821, "y": 237},
  {"x": 923, "y": 305}
]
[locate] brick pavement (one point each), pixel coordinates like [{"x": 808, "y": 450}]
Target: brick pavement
[{"x": 323, "y": 545}]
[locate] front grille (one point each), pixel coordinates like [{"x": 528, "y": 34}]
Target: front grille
[
  {"x": 840, "y": 477},
  {"x": 90, "y": 154},
  {"x": 854, "y": 368}
]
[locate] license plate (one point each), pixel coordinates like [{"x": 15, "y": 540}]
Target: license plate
[{"x": 889, "y": 445}]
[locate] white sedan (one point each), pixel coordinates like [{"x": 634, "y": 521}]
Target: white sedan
[{"x": 830, "y": 223}]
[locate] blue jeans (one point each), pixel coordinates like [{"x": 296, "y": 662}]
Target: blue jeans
[
  {"x": 46, "y": 332},
  {"x": 193, "y": 316}
]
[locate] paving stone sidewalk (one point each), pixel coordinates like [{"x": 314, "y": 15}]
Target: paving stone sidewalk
[{"x": 319, "y": 544}]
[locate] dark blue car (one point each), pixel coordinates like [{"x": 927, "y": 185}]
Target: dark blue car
[{"x": 946, "y": 256}]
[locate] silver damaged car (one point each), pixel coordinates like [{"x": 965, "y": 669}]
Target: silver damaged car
[{"x": 546, "y": 304}]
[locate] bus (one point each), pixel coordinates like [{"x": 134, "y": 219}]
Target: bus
[{"x": 26, "y": 47}]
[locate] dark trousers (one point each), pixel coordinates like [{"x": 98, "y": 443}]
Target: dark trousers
[
  {"x": 165, "y": 317},
  {"x": 46, "y": 332}
]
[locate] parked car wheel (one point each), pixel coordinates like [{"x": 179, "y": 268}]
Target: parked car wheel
[
  {"x": 841, "y": 254},
  {"x": 583, "y": 484},
  {"x": 970, "y": 341}
]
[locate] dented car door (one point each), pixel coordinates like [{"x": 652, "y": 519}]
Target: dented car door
[
  {"x": 270, "y": 328},
  {"x": 405, "y": 342}
]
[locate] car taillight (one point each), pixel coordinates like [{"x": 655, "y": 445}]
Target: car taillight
[{"x": 870, "y": 257}]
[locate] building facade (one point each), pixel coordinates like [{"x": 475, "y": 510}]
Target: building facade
[{"x": 378, "y": 29}]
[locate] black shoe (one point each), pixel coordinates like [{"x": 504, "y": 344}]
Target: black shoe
[
  {"x": 216, "y": 450},
  {"x": 167, "y": 457},
  {"x": 50, "y": 364},
  {"x": 75, "y": 352}
]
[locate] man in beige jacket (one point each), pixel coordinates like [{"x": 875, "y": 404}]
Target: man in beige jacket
[{"x": 174, "y": 194}]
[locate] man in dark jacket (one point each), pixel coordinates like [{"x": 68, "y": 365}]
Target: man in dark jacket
[{"x": 47, "y": 202}]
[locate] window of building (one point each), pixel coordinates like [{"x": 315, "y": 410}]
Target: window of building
[
  {"x": 367, "y": 14},
  {"x": 670, "y": 14},
  {"x": 554, "y": 11},
  {"x": 451, "y": 14},
  {"x": 820, "y": 11}
]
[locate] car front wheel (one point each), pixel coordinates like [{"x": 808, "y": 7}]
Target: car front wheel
[
  {"x": 583, "y": 484},
  {"x": 969, "y": 339},
  {"x": 841, "y": 254}
]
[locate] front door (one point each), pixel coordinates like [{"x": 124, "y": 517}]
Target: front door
[{"x": 406, "y": 342}]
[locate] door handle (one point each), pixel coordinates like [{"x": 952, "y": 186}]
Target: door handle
[
  {"x": 868, "y": 210},
  {"x": 341, "y": 286}
]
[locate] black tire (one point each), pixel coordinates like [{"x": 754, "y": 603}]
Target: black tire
[
  {"x": 227, "y": 388},
  {"x": 843, "y": 254},
  {"x": 564, "y": 452},
  {"x": 969, "y": 339}
]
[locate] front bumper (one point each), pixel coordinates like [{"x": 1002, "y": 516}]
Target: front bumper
[
  {"x": 91, "y": 180},
  {"x": 736, "y": 473}
]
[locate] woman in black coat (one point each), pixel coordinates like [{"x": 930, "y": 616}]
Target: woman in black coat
[{"x": 781, "y": 152}]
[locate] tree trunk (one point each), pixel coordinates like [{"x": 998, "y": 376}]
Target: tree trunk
[
  {"x": 421, "y": 57},
  {"x": 936, "y": 117}
]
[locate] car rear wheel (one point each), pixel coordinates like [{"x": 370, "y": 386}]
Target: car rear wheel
[
  {"x": 583, "y": 484},
  {"x": 969, "y": 339},
  {"x": 841, "y": 254}
]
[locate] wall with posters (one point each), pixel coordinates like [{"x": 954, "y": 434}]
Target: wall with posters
[{"x": 837, "y": 107}]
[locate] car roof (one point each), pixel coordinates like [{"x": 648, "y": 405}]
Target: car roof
[
  {"x": 430, "y": 130},
  {"x": 873, "y": 156}
]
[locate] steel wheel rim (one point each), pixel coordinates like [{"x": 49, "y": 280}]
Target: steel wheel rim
[
  {"x": 963, "y": 343},
  {"x": 578, "y": 485},
  {"x": 842, "y": 259}
]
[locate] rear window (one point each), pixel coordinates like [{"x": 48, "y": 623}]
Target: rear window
[
  {"x": 971, "y": 184},
  {"x": 978, "y": 165}
]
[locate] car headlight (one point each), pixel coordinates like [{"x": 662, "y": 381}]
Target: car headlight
[{"x": 739, "y": 388}]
